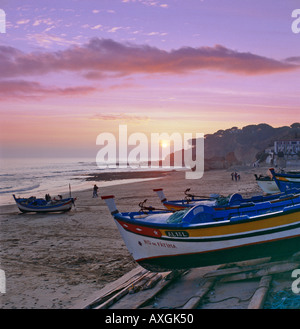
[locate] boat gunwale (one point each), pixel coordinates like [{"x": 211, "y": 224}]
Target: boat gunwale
[
  {"x": 283, "y": 196},
  {"x": 287, "y": 175},
  {"x": 225, "y": 237},
  {"x": 186, "y": 225}
]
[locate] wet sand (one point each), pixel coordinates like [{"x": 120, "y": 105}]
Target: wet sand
[{"x": 55, "y": 260}]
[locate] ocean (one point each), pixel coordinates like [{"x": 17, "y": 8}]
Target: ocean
[{"x": 36, "y": 177}]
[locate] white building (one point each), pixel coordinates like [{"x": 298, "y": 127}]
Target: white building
[{"x": 287, "y": 147}]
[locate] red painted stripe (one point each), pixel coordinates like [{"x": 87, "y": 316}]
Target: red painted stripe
[
  {"x": 107, "y": 197},
  {"x": 142, "y": 230}
]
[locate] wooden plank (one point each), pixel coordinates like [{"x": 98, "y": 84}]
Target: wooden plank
[
  {"x": 195, "y": 300},
  {"x": 237, "y": 272},
  {"x": 141, "y": 283},
  {"x": 113, "y": 299},
  {"x": 153, "y": 281},
  {"x": 143, "y": 297},
  {"x": 259, "y": 297},
  {"x": 110, "y": 288},
  {"x": 121, "y": 293},
  {"x": 166, "y": 279},
  {"x": 269, "y": 269},
  {"x": 237, "y": 269}
]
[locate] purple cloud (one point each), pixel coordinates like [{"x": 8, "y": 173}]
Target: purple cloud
[
  {"x": 105, "y": 56},
  {"x": 22, "y": 88}
]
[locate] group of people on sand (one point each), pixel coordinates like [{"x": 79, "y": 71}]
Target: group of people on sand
[{"x": 235, "y": 176}]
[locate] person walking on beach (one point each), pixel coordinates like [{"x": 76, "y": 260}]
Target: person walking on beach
[{"x": 95, "y": 191}]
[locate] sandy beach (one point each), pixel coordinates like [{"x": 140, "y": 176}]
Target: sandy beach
[{"x": 52, "y": 261}]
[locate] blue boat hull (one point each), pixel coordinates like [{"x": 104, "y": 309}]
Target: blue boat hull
[
  {"x": 286, "y": 182},
  {"x": 44, "y": 207},
  {"x": 285, "y": 186}
]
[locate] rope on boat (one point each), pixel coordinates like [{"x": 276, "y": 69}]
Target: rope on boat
[
  {"x": 190, "y": 197},
  {"x": 150, "y": 208}
]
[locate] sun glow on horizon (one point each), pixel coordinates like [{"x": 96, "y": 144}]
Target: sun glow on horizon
[{"x": 164, "y": 144}]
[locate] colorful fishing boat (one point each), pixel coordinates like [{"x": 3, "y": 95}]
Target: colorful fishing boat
[
  {"x": 202, "y": 235},
  {"x": 219, "y": 202},
  {"x": 286, "y": 180},
  {"x": 190, "y": 200},
  {"x": 267, "y": 184},
  {"x": 34, "y": 204}
]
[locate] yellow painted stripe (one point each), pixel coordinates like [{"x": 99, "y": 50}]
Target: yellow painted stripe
[
  {"x": 282, "y": 179},
  {"x": 174, "y": 207},
  {"x": 241, "y": 227}
]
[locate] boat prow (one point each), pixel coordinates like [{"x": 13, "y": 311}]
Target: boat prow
[{"x": 267, "y": 184}]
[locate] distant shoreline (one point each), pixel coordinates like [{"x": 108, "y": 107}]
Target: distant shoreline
[{"x": 109, "y": 176}]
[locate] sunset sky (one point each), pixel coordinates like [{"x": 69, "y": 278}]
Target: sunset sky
[{"x": 72, "y": 69}]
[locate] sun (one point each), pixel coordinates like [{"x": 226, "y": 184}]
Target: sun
[{"x": 164, "y": 144}]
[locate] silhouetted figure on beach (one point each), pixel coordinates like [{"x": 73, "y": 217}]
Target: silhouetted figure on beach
[
  {"x": 95, "y": 191},
  {"x": 47, "y": 197}
]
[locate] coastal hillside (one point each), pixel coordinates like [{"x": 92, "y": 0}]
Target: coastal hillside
[
  {"x": 234, "y": 146},
  {"x": 240, "y": 146}
]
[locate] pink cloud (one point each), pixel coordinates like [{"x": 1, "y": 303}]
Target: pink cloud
[
  {"x": 102, "y": 56},
  {"x": 22, "y": 88},
  {"x": 119, "y": 116},
  {"x": 105, "y": 58}
]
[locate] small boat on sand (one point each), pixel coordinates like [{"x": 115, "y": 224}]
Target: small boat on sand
[
  {"x": 202, "y": 235},
  {"x": 286, "y": 180},
  {"x": 34, "y": 204}
]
